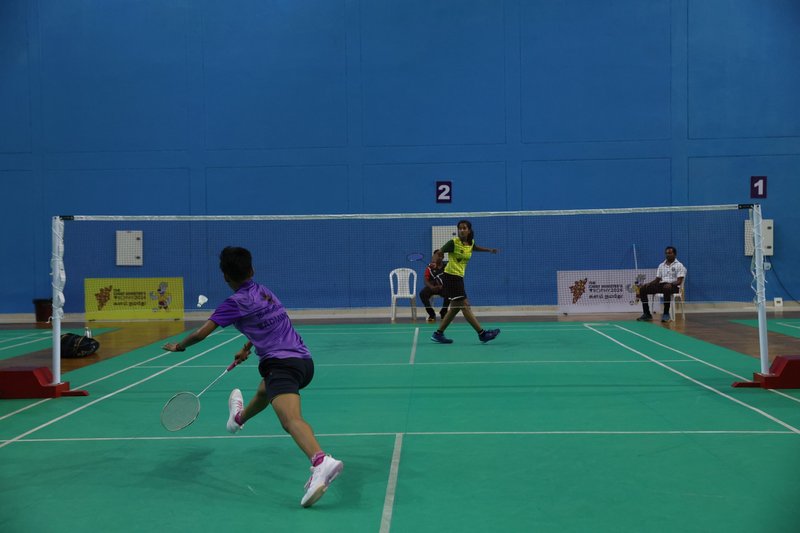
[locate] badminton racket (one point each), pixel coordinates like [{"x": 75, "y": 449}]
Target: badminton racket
[
  {"x": 182, "y": 409},
  {"x": 415, "y": 257}
]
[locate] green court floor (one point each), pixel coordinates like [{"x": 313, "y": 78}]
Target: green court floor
[
  {"x": 787, "y": 326},
  {"x": 619, "y": 427}
]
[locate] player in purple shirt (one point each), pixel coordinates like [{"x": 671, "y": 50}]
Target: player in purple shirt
[{"x": 284, "y": 362}]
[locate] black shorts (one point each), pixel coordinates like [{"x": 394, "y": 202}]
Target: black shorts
[
  {"x": 453, "y": 287},
  {"x": 282, "y": 376}
]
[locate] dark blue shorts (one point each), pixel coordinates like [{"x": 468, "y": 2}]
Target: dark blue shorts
[{"x": 285, "y": 376}]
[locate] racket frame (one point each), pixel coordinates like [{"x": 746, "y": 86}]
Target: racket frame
[
  {"x": 197, "y": 398},
  {"x": 188, "y": 421}
]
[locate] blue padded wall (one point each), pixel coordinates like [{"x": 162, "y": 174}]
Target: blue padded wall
[{"x": 352, "y": 106}]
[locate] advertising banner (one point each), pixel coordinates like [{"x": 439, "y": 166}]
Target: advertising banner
[
  {"x": 601, "y": 291},
  {"x": 133, "y": 298}
]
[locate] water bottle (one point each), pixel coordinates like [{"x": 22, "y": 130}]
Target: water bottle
[{"x": 87, "y": 333}]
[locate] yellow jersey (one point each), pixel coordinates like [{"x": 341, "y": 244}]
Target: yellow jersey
[{"x": 459, "y": 255}]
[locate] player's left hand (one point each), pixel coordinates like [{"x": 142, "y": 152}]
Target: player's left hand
[{"x": 172, "y": 347}]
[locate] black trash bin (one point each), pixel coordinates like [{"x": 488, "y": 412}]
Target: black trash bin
[{"x": 44, "y": 309}]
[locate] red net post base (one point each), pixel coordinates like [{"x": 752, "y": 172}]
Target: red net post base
[
  {"x": 784, "y": 373},
  {"x": 33, "y": 382}
]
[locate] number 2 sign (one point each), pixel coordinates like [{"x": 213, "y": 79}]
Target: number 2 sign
[{"x": 444, "y": 192}]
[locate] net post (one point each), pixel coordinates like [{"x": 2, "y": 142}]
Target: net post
[
  {"x": 758, "y": 259},
  {"x": 58, "y": 278}
]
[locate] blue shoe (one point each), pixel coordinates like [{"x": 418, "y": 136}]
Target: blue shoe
[
  {"x": 665, "y": 317},
  {"x": 440, "y": 338},
  {"x": 488, "y": 334}
]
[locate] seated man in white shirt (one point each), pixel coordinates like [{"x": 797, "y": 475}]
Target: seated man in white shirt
[{"x": 669, "y": 277}]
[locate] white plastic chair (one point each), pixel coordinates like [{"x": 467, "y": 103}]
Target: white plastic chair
[
  {"x": 674, "y": 298},
  {"x": 403, "y": 284}
]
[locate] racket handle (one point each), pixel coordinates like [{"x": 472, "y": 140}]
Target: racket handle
[{"x": 230, "y": 367}]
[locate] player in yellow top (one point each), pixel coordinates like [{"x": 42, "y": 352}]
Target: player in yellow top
[{"x": 460, "y": 251}]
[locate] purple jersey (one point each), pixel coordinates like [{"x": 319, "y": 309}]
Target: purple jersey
[{"x": 258, "y": 314}]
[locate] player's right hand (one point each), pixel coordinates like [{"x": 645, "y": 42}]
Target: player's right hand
[{"x": 242, "y": 354}]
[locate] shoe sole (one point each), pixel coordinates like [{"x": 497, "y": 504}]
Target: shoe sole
[
  {"x": 320, "y": 492},
  {"x": 489, "y": 340},
  {"x": 231, "y": 416}
]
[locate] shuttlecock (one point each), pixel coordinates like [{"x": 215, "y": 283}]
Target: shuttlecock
[{"x": 201, "y": 300}]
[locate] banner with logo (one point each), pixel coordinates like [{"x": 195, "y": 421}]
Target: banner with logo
[
  {"x": 133, "y": 298},
  {"x": 601, "y": 291}
]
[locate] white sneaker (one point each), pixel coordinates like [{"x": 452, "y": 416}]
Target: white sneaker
[
  {"x": 321, "y": 477},
  {"x": 235, "y": 405}
]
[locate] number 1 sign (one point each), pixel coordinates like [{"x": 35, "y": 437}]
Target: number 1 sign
[{"x": 758, "y": 186}]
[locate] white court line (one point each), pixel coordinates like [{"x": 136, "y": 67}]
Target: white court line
[
  {"x": 489, "y": 362},
  {"x": 601, "y": 432},
  {"x": 548, "y": 362},
  {"x": 315, "y": 334},
  {"x": 29, "y": 406},
  {"x": 547, "y": 325},
  {"x": 414, "y": 347},
  {"x": 419, "y": 434},
  {"x": 531, "y": 327},
  {"x": 788, "y": 325},
  {"x": 391, "y": 486},
  {"x": 109, "y": 395},
  {"x": 402, "y": 328},
  {"x": 190, "y": 367},
  {"x": 326, "y": 329},
  {"x": 24, "y": 343},
  {"x": 707, "y": 387},
  {"x": 715, "y": 367},
  {"x": 40, "y": 334}
]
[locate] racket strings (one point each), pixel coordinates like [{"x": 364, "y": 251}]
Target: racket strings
[
  {"x": 183, "y": 408},
  {"x": 180, "y": 411}
]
